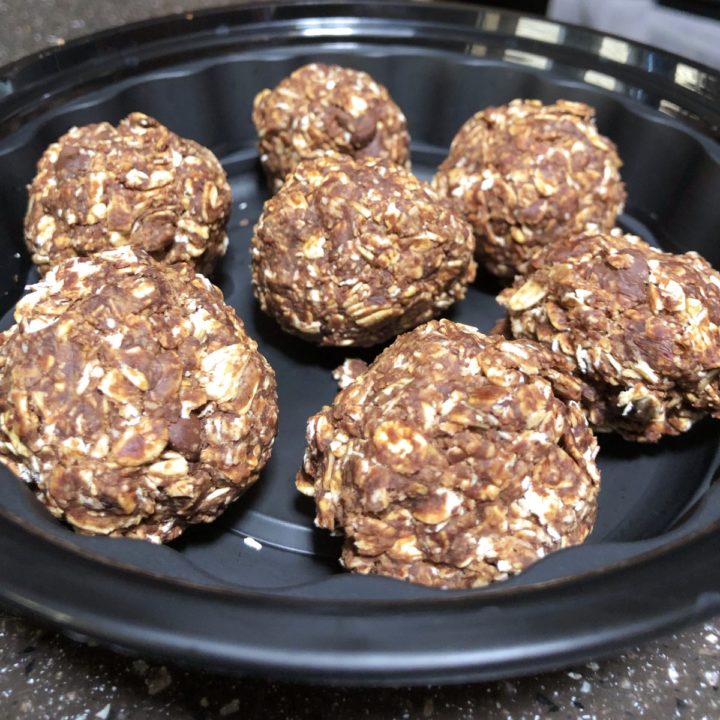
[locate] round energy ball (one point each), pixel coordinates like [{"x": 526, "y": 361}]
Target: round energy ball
[
  {"x": 526, "y": 174},
  {"x": 100, "y": 187},
  {"x": 131, "y": 398},
  {"x": 353, "y": 252},
  {"x": 455, "y": 460},
  {"x": 326, "y": 108},
  {"x": 641, "y": 327}
]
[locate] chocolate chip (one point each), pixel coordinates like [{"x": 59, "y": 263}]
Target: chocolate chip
[{"x": 186, "y": 437}]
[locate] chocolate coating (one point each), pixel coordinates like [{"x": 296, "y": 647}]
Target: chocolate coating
[
  {"x": 100, "y": 187},
  {"x": 641, "y": 327},
  {"x": 455, "y": 460},
  {"x": 354, "y": 252},
  {"x": 131, "y": 398},
  {"x": 526, "y": 174},
  {"x": 326, "y": 108}
]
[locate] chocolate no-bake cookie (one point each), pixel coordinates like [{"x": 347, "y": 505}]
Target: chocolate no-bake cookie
[
  {"x": 100, "y": 187},
  {"x": 526, "y": 174},
  {"x": 641, "y": 327},
  {"x": 353, "y": 252},
  {"x": 131, "y": 398},
  {"x": 455, "y": 460},
  {"x": 327, "y": 108}
]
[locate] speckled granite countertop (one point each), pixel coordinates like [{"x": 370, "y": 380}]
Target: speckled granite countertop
[{"x": 46, "y": 676}]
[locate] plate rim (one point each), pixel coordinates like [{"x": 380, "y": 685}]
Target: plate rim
[{"x": 367, "y": 666}]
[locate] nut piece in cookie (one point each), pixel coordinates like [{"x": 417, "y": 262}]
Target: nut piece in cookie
[
  {"x": 327, "y": 108},
  {"x": 100, "y": 187},
  {"x": 525, "y": 174},
  {"x": 455, "y": 460},
  {"x": 131, "y": 398},
  {"x": 353, "y": 252},
  {"x": 641, "y": 327}
]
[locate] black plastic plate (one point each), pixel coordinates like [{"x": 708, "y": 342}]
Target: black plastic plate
[{"x": 260, "y": 590}]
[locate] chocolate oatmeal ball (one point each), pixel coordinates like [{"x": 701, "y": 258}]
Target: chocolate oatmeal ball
[
  {"x": 100, "y": 187},
  {"x": 455, "y": 460},
  {"x": 131, "y": 398},
  {"x": 526, "y": 174},
  {"x": 640, "y": 326},
  {"x": 354, "y": 252},
  {"x": 327, "y": 108}
]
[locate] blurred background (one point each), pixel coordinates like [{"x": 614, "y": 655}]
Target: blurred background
[
  {"x": 687, "y": 27},
  {"x": 690, "y": 28}
]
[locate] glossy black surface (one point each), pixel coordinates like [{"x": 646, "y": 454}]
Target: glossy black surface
[{"x": 287, "y": 607}]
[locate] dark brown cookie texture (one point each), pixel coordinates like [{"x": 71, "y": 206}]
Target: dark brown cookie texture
[
  {"x": 640, "y": 326},
  {"x": 526, "y": 174},
  {"x": 326, "y": 108},
  {"x": 455, "y": 460},
  {"x": 353, "y": 252},
  {"x": 100, "y": 187},
  {"x": 131, "y": 398}
]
